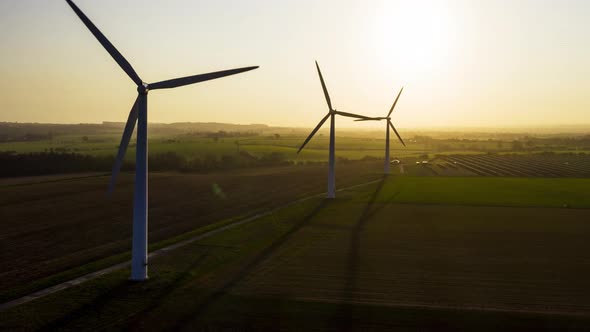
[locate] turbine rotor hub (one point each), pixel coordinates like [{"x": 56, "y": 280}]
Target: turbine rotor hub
[{"x": 143, "y": 88}]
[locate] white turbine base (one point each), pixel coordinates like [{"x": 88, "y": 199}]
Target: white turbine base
[
  {"x": 387, "y": 161},
  {"x": 331, "y": 160},
  {"x": 139, "y": 258}
]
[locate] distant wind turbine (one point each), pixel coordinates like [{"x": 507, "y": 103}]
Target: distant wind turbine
[
  {"x": 332, "y": 115},
  {"x": 139, "y": 114},
  {"x": 387, "y": 125}
]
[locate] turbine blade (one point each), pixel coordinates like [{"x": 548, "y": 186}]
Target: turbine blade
[
  {"x": 106, "y": 44},
  {"x": 129, "y": 127},
  {"x": 314, "y": 131},
  {"x": 176, "y": 82},
  {"x": 395, "y": 102},
  {"x": 351, "y": 115},
  {"x": 395, "y": 131},
  {"x": 370, "y": 119},
  {"x": 324, "y": 87}
]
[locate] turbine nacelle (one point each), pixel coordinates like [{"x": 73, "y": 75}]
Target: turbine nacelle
[
  {"x": 143, "y": 88},
  {"x": 331, "y": 112},
  {"x": 388, "y": 119}
]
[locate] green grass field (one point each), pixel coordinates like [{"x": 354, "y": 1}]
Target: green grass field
[
  {"x": 396, "y": 255},
  {"x": 531, "y": 192}
]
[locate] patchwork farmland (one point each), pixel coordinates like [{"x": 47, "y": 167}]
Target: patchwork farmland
[
  {"x": 464, "y": 235},
  {"x": 365, "y": 261},
  {"x": 513, "y": 165}
]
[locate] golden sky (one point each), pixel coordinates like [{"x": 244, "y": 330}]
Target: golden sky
[{"x": 463, "y": 63}]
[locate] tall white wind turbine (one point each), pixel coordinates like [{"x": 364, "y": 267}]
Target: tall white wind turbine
[
  {"x": 332, "y": 115},
  {"x": 139, "y": 114},
  {"x": 387, "y": 125}
]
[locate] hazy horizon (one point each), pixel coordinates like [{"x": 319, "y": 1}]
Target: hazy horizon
[
  {"x": 491, "y": 64},
  {"x": 555, "y": 129}
]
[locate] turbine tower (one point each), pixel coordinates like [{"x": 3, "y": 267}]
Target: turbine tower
[
  {"x": 387, "y": 125},
  {"x": 332, "y": 115},
  {"x": 139, "y": 114}
]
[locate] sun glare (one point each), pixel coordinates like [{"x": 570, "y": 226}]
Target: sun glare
[{"x": 413, "y": 37}]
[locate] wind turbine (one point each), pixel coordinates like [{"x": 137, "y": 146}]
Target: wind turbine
[
  {"x": 332, "y": 115},
  {"x": 139, "y": 114},
  {"x": 387, "y": 125}
]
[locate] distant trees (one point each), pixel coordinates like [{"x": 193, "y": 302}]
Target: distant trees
[
  {"x": 274, "y": 159},
  {"x": 443, "y": 147},
  {"x": 50, "y": 163},
  {"x": 517, "y": 145},
  {"x": 422, "y": 139},
  {"x": 25, "y": 137},
  {"x": 166, "y": 161},
  {"x": 55, "y": 162},
  {"x": 35, "y": 137}
]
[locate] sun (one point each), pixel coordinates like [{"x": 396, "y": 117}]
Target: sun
[{"x": 414, "y": 37}]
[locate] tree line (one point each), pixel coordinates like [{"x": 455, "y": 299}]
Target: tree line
[{"x": 54, "y": 162}]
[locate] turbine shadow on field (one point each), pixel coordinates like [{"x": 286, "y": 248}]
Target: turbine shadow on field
[
  {"x": 194, "y": 315},
  {"x": 343, "y": 315},
  {"x": 101, "y": 301},
  {"x": 167, "y": 292},
  {"x": 124, "y": 289}
]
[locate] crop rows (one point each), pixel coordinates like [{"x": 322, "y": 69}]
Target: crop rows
[
  {"x": 52, "y": 227},
  {"x": 533, "y": 165}
]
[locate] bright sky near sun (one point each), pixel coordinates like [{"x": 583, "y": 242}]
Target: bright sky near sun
[{"x": 463, "y": 63}]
